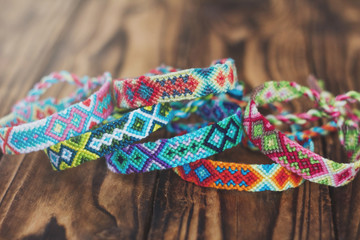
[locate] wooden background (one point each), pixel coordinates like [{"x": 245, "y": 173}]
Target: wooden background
[{"x": 268, "y": 39}]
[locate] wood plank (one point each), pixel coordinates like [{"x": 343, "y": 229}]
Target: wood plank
[{"x": 268, "y": 39}]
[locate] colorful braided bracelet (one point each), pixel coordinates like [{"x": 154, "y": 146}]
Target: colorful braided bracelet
[
  {"x": 32, "y": 108},
  {"x": 232, "y": 176},
  {"x": 94, "y": 144},
  {"x": 182, "y": 85},
  {"x": 235, "y": 176},
  {"x": 247, "y": 177},
  {"x": 71, "y": 121},
  {"x": 215, "y": 110},
  {"x": 124, "y": 130},
  {"x": 79, "y": 118},
  {"x": 121, "y": 128},
  {"x": 132, "y": 127},
  {"x": 151, "y": 156},
  {"x": 177, "y": 151},
  {"x": 291, "y": 155},
  {"x": 181, "y": 150},
  {"x": 236, "y": 96}
]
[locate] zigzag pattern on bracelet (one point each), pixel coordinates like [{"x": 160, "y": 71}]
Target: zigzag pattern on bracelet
[
  {"x": 94, "y": 144},
  {"x": 241, "y": 177},
  {"x": 181, "y": 85},
  {"x": 177, "y": 151},
  {"x": 291, "y": 155},
  {"x": 60, "y": 126}
]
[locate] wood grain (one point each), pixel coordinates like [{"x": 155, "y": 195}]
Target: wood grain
[{"x": 281, "y": 40}]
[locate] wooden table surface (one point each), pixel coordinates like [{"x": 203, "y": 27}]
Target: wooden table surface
[{"x": 270, "y": 40}]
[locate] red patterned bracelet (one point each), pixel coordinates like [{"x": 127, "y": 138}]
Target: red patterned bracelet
[{"x": 182, "y": 85}]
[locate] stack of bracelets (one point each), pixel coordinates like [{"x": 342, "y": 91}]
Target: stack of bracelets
[{"x": 111, "y": 121}]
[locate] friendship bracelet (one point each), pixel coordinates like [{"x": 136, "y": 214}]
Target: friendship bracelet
[
  {"x": 236, "y": 176},
  {"x": 236, "y": 96},
  {"x": 219, "y": 107},
  {"x": 119, "y": 133},
  {"x": 232, "y": 176},
  {"x": 121, "y": 128},
  {"x": 31, "y": 108},
  {"x": 94, "y": 144},
  {"x": 150, "y": 156},
  {"x": 78, "y": 118},
  {"x": 182, "y": 85},
  {"x": 241, "y": 177},
  {"x": 216, "y": 110},
  {"x": 69, "y": 122},
  {"x": 289, "y": 154},
  {"x": 147, "y": 158},
  {"x": 177, "y": 151}
]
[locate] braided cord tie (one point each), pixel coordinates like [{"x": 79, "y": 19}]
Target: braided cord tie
[
  {"x": 72, "y": 121},
  {"x": 291, "y": 155},
  {"x": 32, "y": 108}
]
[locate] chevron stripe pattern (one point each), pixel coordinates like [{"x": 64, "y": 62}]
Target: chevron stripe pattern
[
  {"x": 291, "y": 155},
  {"x": 70, "y": 122},
  {"x": 176, "y": 86},
  {"x": 96, "y": 143},
  {"x": 177, "y": 151},
  {"x": 240, "y": 177}
]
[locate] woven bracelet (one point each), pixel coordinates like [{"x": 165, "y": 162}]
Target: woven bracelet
[
  {"x": 182, "y": 85},
  {"x": 71, "y": 121},
  {"x": 291, "y": 155},
  {"x": 122, "y": 127},
  {"x": 165, "y": 153},
  {"x": 131, "y": 127},
  {"x": 94, "y": 144},
  {"x": 237, "y": 96},
  {"x": 235, "y": 176},
  {"x": 177, "y": 151},
  {"x": 248, "y": 177},
  {"x": 32, "y": 108},
  {"x": 79, "y": 118},
  {"x": 231, "y": 176},
  {"x": 182, "y": 150}
]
